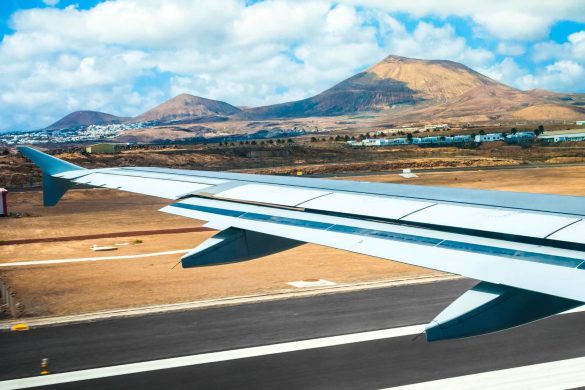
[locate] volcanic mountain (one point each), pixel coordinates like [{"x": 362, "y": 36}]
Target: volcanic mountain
[
  {"x": 397, "y": 88},
  {"x": 186, "y": 108},
  {"x": 85, "y": 118},
  {"x": 437, "y": 88}
]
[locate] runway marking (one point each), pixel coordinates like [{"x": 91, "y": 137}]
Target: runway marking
[
  {"x": 61, "y": 261},
  {"x": 213, "y": 357},
  {"x": 554, "y": 375},
  {"x": 557, "y": 375}
]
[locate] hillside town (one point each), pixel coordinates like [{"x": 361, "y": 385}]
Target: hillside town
[{"x": 77, "y": 134}]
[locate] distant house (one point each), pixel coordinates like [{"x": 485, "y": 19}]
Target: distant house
[
  {"x": 457, "y": 139},
  {"x": 489, "y": 137},
  {"x": 438, "y": 126},
  {"x": 563, "y": 137},
  {"x": 580, "y": 123},
  {"x": 104, "y": 148},
  {"x": 522, "y": 135},
  {"x": 372, "y": 142}
]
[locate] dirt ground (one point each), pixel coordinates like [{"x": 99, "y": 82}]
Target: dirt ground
[
  {"x": 549, "y": 180},
  {"x": 73, "y": 288},
  {"x": 92, "y": 286}
]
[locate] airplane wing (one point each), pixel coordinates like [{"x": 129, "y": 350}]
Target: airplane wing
[{"x": 526, "y": 249}]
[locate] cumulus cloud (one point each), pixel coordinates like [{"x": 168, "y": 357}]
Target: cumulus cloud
[
  {"x": 510, "y": 49},
  {"x": 506, "y": 71},
  {"x": 432, "y": 42},
  {"x": 559, "y": 76},
  {"x": 510, "y": 19},
  {"x": 125, "y": 56}
]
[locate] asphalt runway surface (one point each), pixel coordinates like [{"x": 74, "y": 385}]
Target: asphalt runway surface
[{"x": 360, "y": 365}]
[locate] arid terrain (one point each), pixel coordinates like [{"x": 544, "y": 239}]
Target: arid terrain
[
  {"x": 313, "y": 158},
  {"x": 58, "y": 289},
  {"x": 395, "y": 92}
]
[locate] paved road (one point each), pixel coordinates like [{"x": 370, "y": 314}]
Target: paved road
[{"x": 368, "y": 365}]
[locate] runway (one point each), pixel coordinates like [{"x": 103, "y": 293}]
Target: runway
[{"x": 376, "y": 363}]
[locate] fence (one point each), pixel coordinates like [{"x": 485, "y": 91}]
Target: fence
[{"x": 8, "y": 302}]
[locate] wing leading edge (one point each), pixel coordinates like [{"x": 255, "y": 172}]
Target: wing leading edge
[{"x": 528, "y": 249}]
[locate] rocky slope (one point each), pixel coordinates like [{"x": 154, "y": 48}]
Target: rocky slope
[
  {"x": 432, "y": 88},
  {"x": 397, "y": 88},
  {"x": 187, "y": 107},
  {"x": 84, "y": 118}
]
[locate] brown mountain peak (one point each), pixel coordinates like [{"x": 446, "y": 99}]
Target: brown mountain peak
[{"x": 187, "y": 107}]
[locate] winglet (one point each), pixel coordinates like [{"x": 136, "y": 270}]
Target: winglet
[
  {"x": 53, "y": 187},
  {"x": 49, "y": 165}
]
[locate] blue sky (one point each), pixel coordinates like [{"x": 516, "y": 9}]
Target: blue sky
[{"x": 125, "y": 56}]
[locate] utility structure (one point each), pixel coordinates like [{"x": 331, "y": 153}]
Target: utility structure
[{"x": 3, "y": 202}]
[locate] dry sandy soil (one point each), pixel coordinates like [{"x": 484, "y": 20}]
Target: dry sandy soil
[
  {"x": 549, "y": 180},
  {"x": 92, "y": 286}
]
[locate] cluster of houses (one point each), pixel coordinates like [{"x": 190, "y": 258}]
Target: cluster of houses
[{"x": 440, "y": 140}]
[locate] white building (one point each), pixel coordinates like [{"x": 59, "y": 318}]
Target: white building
[
  {"x": 580, "y": 123},
  {"x": 563, "y": 137},
  {"x": 438, "y": 126},
  {"x": 491, "y": 137}
]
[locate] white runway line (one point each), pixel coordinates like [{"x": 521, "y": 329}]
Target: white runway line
[
  {"x": 212, "y": 357},
  {"x": 558, "y": 375},
  {"x": 61, "y": 261}
]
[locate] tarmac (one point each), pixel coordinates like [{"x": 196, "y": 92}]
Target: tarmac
[{"x": 292, "y": 344}]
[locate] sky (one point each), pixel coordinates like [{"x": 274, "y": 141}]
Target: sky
[{"x": 126, "y": 56}]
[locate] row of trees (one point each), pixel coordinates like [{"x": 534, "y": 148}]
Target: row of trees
[
  {"x": 278, "y": 141},
  {"x": 538, "y": 131}
]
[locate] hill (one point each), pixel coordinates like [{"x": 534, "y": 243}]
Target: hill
[
  {"x": 429, "y": 88},
  {"x": 397, "y": 90},
  {"x": 85, "y": 118},
  {"x": 188, "y": 108}
]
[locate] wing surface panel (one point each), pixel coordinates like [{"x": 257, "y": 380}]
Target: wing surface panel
[
  {"x": 489, "y": 260},
  {"x": 175, "y": 184},
  {"x": 492, "y": 220},
  {"x": 563, "y": 204}
]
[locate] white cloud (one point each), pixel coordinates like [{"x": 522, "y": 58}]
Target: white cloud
[
  {"x": 431, "y": 42},
  {"x": 572, "y": 49},
  {"x": 513, "y": 25},
  {"x": 506, "y": 71},
  {"x": 510, "y": 19},
  {"x": 510, "y": 49},
  {"x": 559, "y": 76},
  {"x": 59, "y": 60}
]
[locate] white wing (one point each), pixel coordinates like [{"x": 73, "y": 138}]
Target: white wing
[{"x": 526, "y": 248}]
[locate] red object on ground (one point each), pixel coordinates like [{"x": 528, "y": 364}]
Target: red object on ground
[{"x": 3, "y": 203}]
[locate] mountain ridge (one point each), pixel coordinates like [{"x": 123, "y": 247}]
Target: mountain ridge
[
  {"x": 406, "y": 88},
  {"x": 85, "y": 118},
  {"x": 185, "y": 107}
]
